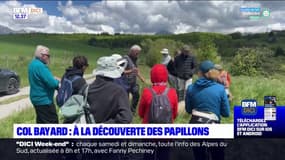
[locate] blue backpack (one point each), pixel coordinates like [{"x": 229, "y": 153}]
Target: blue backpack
[{"x": 65, "y": 91}]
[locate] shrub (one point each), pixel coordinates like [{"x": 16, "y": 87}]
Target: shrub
[
  {"x": 153, "y": 48},
  {"x": 206, "y": 50},
  {"x": 249, "y": 61}
]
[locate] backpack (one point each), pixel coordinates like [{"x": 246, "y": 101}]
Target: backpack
[
  {"x": 160, "y": 109},
  {"x": 77, "y": 108},
  {"x": 66, "y": 89}
]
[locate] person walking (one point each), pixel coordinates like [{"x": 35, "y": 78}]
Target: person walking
[
  {"x": 108, "y": 101},
  {"x": 130, "y": 75},
  {"x": 206, "y": 100},
  {"x": 42, "y": 86},
  {"x": 75, "y": 73},
  {"x": 185, "y": 65},
  {"x": 165, "y": 111}
]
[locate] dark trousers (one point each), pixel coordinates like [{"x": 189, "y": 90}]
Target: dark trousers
[
  {"x": 207, "y": 153},
  {"x": 46, "y": 114},
  {"x": 134, "y": 90}
]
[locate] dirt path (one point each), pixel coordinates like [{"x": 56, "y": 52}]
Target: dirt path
[{"x": 16, "y": 106}]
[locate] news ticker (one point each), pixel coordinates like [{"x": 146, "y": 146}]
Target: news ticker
[{"x": 124, "y": 131}]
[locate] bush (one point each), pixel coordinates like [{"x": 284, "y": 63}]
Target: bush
[
  {"x": 249, "y": 61},
  {"x": 153, "y": 48},
  {"x": 206, "y": 50},
  {"x": 279, "y": 52}
]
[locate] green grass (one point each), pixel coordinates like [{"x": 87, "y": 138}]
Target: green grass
[
  {"x": 13, "y": 99},
  {"x": 17, "y": 52},
  {"x": 26, "y": 116}
]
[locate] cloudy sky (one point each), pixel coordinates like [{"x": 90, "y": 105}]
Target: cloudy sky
[{"x": 143, "y": 17}]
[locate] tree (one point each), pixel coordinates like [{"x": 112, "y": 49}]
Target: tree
[
  {"x": 153, "y": 48},
  {"x": 206, "y": 50}
]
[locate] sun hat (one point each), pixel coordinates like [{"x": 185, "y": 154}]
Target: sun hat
[
  {"x": 108, "y": 66},
  {"x": 164, "y": 51},
  {"x": 186, "y": 48}
]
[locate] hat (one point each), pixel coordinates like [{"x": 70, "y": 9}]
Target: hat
[
  {"x": 205, "y": 66},
  {"x": 158, "y": 73},
  {"x": 164, "y": 51},
  {"x": 107, "y": 66},
  {"x": 186, "y": 48},
  {"x": 218, "y": 67}
]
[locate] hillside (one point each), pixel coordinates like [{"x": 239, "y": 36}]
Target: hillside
[{"x": 17, "y": 49}]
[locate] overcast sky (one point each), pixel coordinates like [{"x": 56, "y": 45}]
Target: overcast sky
[{"x": 142, "y": 17}]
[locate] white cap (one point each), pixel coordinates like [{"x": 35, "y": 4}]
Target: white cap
[{"x": 164, "y": 51}]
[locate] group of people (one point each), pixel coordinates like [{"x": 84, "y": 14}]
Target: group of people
[{"x": 116, "y": 78}]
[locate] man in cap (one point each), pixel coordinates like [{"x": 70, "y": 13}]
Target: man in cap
[
  {"x": 42, "y": 86},
  {"x": 108, "y": 101},
  {"x": 169, "y": 63},
  {"x": 207, "y": 101},
  {"x": 130, "y": 75},
  {"x": 185, "y": 65}
]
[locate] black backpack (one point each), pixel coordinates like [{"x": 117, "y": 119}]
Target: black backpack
[{"x": 160, "y": 109}]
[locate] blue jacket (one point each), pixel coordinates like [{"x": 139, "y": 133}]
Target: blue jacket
[
  {"x": 209, "y": 96},
  {"x": 42, "y": 83}
]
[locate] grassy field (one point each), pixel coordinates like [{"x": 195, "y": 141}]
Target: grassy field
[{"x": 17, "y": 52}]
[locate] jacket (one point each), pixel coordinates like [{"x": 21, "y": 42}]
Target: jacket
[
  {"x": 78, "y": 83},
  {"x": 130, "y": 78},
  {"x": 108, "y": 102},
  {"x": 171, "y": 68},
  {"x": 185, "y": 66},
  {"x": 159, "y": 76},
  {"x": 207, "y": 96},
  {"x": 42, "y": 83}
]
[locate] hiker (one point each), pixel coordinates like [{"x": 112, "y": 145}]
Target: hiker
[
  {"x": 206, "y": 100},
  {"x": 42, "y": 86},
  {"x": 108, "y": 101},
  {"x": 158, "y": 77},
  {"x": 185, "y": 65},
  {"x": 130, "y": 75},
  {"x": 122, "y": 63},
  {"x": 169, "y": 63},
  {"x": 75, "y": 73},
  {"x": 225, "y": 79}
]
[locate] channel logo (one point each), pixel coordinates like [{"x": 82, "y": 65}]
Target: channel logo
[
  {"x": 249, "y": 106},
  {"x": 254, "y": 13},
  {"x": 23, "y": 13}
]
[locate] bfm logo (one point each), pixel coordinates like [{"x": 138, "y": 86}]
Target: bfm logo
[
  {"x": 248, "y": 106},
  {"x": 22, "y": 13}
]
